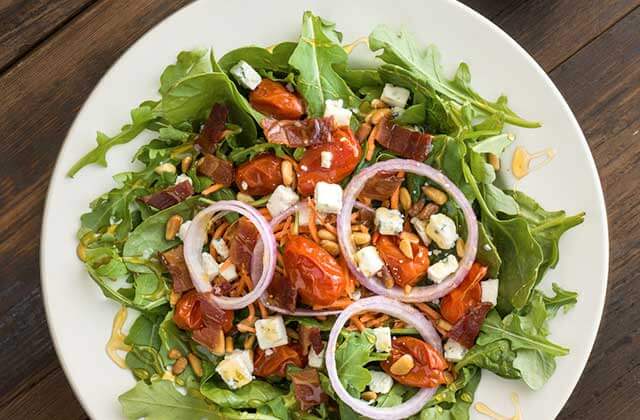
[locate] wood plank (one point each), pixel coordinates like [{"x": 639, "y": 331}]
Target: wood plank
[
  {"x": 25, "y": 23},
  {"x": 491, "y": 8},
  {"x": 601, "y": 86},
  {"x": 552, "y": 31}
]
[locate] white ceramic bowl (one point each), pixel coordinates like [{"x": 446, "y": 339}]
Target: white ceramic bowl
[{"x": 80, "y": 317}]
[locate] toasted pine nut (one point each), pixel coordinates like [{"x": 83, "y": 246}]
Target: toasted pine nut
[
  {"x": 174, "y": 354},
  {"x": 435, "y": 195},
  {"x": 228, "y": 344},
  {"x": 245, "y": 198},
  {"x": 460, "y": 248},
  {"x": 179, "y": 366},
  {"x": 185, "y": 164},
  {"x": 81, "y": 252},
  {"x": 165, "y": 167},
  {"x": 377, "y": 104},
  {"x": 248, "y": 342},
  {"x": 363, "y": 132},
  {"x": 379, "y": 115},
  {"x": 325, "y": 234},
  {"x": 405, "y": 199},
  {"x": 174, "y": 297},
  {"x": 388, "y": 282},
  {"x": 172, "y": 228},
  {"x": 444, "y": 324},
  {"x": 405, "y": 247},
  {"x": 195, "y": 363},
  {"x": 245, "y": 328},
  {"x": 361, "y": 238},
  {"x": 288, "y": 176},
  {"x": 331, "y": 247},
  {"x": 369, "y": 395},
  {"x": 494, "y": 160},
  {"x": 407, "y": 289},
  {"x": 403, "y": 365},
  {"x": 218, "y": 345},
  {"x": 411, "y": 237}
]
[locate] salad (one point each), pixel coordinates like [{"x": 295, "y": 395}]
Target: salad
[{"x": 307, "y": 240}]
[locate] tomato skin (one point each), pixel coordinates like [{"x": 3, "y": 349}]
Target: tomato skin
[
  {"x": 316, "y": 275},
  {"x": 403, "y": 270},
  {"x": 275, "y": 364},
  {"x": 187, "y": 314},
  {"x": 467, "y": 294},
  {"x": 260, "y": 175},
  {"x": 428, "y": 371},
  {"x": 273, "y": 99},
  {"x": 346, "y": 153}
]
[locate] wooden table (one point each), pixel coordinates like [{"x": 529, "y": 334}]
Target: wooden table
[{"x": 53, "y": 52}]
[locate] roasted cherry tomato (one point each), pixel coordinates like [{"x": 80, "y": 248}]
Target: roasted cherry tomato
[
  {"x": 273, "y": 99},
  {"x": 467, "y": 294},
  {"x": 275, "y": 364},
  {"x": 187, "y": 314},
  {"x": 346, "y": 153},
  {"x": 316, "y": 275},
  {"x": 429, "y": 365},
  {"x": 405, "y": 271},
  {"x": 259, "y": 176}
]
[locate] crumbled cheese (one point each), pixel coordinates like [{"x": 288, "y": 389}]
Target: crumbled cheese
[
  {"x": 281, "y": 199},
  {"x": 184, "y": 228},
  {"x": 326, "y": 158},
  {"x": 369, "y": 262},
  {"x": 395, "y": 96},
  {"x": 221, "y": 248},
  {"x": 328, "y": 197},
  {"x": 246, "y": 75},
  {"x": 443, "y": 268},
  {"x": 421, "y": 229},
  {"x": 380, "y": 383},
  {"x": 183, "y": 177},
  {"x": 389, "y": 222},
  {"x": 210, "y": 266},
  {"x": 335, "y": 109},
  {"x": 454, "y": 351},
  {"x": 316, "y": 360},
  {"x": 271, "y": 332},
  {"x": 442, "y": 230},
  {"x": 383, "y": 339},
  {"x": 236, "y": 370},
  {"x": 490, "y": 291},
  {"x": 244, "y": 186},
  {"x": 228, "y": 271}
]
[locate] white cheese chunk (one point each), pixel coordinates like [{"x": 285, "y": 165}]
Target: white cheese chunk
[
  {"x": 281, "y": 199},
  {"x": 316, "y": 360},
  {"x": 221, "y": 248},
  {"x": 368, "y": 260},
  {"x": 454, "y": 351},
  {"x": 335, "y": 109},
  {"x": 443, "y": 268},
  {"x": 228, "y": 271},
  {"x": 395, "y": 96},
  {"x": 442, "y": 230},
  {"x": 383, "y": 339},
  {"x": 210, "y": 266},
  {"x": 380, "y": 383},
  {"x": 271, "y": 332},
  {"x": 236, "y": 370},
  {"x": 421, "y": 229},
  {"x": 389, "y": 222},
  {"x": 490, "y": 291},
  {"x": 184, "y": 228},
  {"x": 326, "y": 158},
  {"x": 183, "y": 177},
  {"x": 246, "y": 75},
  {"x": 328, "y": 197}
]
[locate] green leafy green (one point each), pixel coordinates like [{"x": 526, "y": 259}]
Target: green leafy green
[
  {"x": 275, "y": 58},
  {"x": 535, "y": 366},
  {"x": 496, "y": 356},
  {"x": 253, "y": 395},
  {"x": 453, "y": 401},
  {"x": 352, "y": 355},
  {"x": 188, "y": 63},
  {"x": 563, "y": 299},
  {"x": 494, "y": 144},
  {"x": 487, "y": 253},
  {"x": 414, "y": 115}
]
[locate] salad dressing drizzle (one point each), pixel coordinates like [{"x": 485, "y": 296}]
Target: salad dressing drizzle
[
  {"x": 362, "y": 40},
  {"x": 521, "y": 162},
  {"x": 116, "y": 341},
  {"x": 484, "y": 409}
]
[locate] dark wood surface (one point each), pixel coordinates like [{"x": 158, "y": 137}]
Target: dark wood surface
[{"x": 52, "y": 53}]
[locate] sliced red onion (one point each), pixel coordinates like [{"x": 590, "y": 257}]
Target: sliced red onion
[
  {"x": 398, "y": 310},
  {"x": 197, "y": 236},
  {"x": 421, "y": 293}
]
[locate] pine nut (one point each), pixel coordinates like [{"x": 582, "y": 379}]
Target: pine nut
[
  {"x": 288, "y": 176},
  {"x": 245, "y": 198},
  {"x": 363, "y": 132},
  {"x": 174, "y": 297},
  {"x": 369, "y": 395},
  {"x": 172, "y": 228},
  {"x": 403, "y": 365},
  {"x": 229, "y": 344},
  {"x": 388, "y": 280},
  {"x": 405, "y": 247},
  {"x": 218, "y": 345},
  {"x": 325, "y": 234},
  {"x": 411, "y": 237},
  {"x": 174, "y": 354},
  {"x": 179, "y": 366},
  {"x": 379, "y": 115},
  {"x": 405, "y": 199},
  {"x": 460, "y": 248},
  {"x": 81, "y": 252},
  {"x": 361, "y": 238},
  {"x": 407, "y": 289},
  {"x": 195, "y": 363},
  {"x": 494, "y": 160},
  {"x": 435, "y": 195},
  {"x": 249, "y": 341},
  {"x": 185, "y": 164},
  {"x": 165, "y": 167},
  {"x": 377, "y": 104},
  {"x": 331, "y": 247}
]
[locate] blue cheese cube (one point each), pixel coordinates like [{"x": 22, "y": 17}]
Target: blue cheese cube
[
  {"x": 454, "y": 351},
  {"x": 316, "y": 360},
  {"x": 281, "y": 199},
  {"x": 326, "y": 158},
  {"x": 383, "y": 339},
  {"x": 442, "y": 230},
  {"x": 328, "y": 197},
  {"x": 210, "y": 266},
  {"x": 368, "y": 260},
  {"x": 271, "y": 332},
  {"x": 490, "y": 291},
  {"x": 443, "y": 268},
  {"x": 421, "y": 229},
  {"x": 335, "y": 109},
  {"x": 236, "y": 370},
  {"x": 380, "y": 383},
  {"x": 246, "y": 75},
  {"x": 221, "y": 248},
  {"x": 389, "y": 222},
  {"x": 395, "y": 96},
  {"x": 228, "y": 271}
]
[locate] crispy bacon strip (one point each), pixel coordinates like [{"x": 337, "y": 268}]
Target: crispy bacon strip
[
  {"x": 282, "y": 293},
  {"x": 402, "y": 141},
  {"x": 467, "y": 328},
  {"x": 294, "y": 133},
  {"x": 307, "y": 389},
  {"x": 242, "y": 242},
  {"x": 381, "y": 187},
  {"x": 213, "y": 129},
  {"x": 173, "y": 259},
  {"x": 310, "y": 338},
  {"x": 219, "y": 170},
  {"x": 169, "y": 196}
]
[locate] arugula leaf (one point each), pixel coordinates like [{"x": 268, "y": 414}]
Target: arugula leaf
[
  {"x": 414, "y": 115},
  {"x": 358, "y": 78},
  {"x": 494, "y": 144},
  {"x": 253, "y": 395},
  {"x": 496, "y": 357},
  {"x": 351, "y": 357},
  {"x": 564, "y": 299},
  {"x": 401, "y": 49},
  {"x": 394, "y": 397},
  {"x": 275, "y": 58},
  {"x": 498, "y": 201},
  {"x": 317, "y": 52},
  {"x": 487, "y": 253},
  {"x": 454, "y": 401},
  {"x": 188, "y": 63},
  {"x": 535, "y": 366}
]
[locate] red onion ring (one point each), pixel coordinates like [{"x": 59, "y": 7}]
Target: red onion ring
[
  {"x": 256, "y": 268},
  {"x": 398, "y": 310},
  {"x": 421, "y": 293},
  {"x": 197, "y": 235}
]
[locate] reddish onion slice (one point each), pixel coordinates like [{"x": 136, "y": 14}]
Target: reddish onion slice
[
  {"x": 421, "y": 293},
  {"x": 398, "y": 310},
  {"x": 197, "y": 236}
]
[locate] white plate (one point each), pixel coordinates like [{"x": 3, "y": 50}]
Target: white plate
[{"x": 80, "y": 317}]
